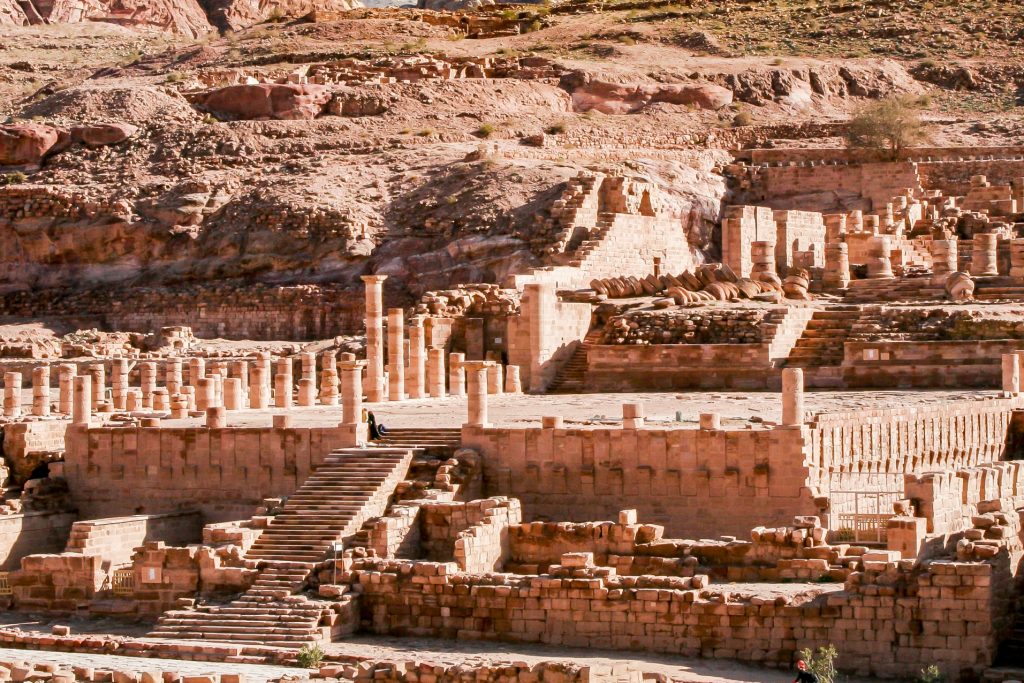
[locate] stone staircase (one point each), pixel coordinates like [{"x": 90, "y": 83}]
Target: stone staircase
[
  {"x": 352, "y": 485},
  {"x": 997, "y": 288},
  {"x": 579, "y": 256},
  {"x": 893, "y": 289},
  {"x": 572, "y": 375},
  {"x": 440, "y": 442},
  {"x": 821, "y": 344}
]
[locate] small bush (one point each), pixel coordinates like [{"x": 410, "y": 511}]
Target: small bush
[
  {"x": 175, "y": 77},
  {"x": 742, "y": 118},
  {"x": 890, "y": 125},
  {"x": 485, "y": 130},
  {"x": 931, "y": 674},
  {"x": 556, "y": 128},
  {"x": 821, "y": 663},
  {"x": 310, "y": 657},
  {"x": 210, "y": 119},
  {"x": 425, "y": 133},
  {"x": 15, "y": 178}
]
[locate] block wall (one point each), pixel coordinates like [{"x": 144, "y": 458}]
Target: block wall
[
  {"x": 545, "y": 335},
  {"x": 742, "y": 225},
  {"x": 798, "y": 231},
  {"x": 116, "y": 539},
  {"x": 32, "y": 532},
  {"x": 932, "y": 364},
  {"x": 664, "y": 367},
  {"x": 223, "y": 473},
  {"x": 693, "y": 482}
]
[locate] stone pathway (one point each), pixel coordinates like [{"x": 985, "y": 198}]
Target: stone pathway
[{"x": 254, "y": 673}]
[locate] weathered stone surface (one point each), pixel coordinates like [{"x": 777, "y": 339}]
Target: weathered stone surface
[
  {"x": 27, "y": 144},
  {"x": 267, "y": 101},
  {"x": 102, "y": 134}
]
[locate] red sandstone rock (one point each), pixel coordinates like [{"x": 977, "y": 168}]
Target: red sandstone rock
[
  {"x": 267, "y": 101},
  {"x": 102, "y": 134},
  {"x": 185, "y": 17},
  {"x": 27, "y": 144},
  {"x": 615, "y": 98},
  {"x": 238, "y": 14}
]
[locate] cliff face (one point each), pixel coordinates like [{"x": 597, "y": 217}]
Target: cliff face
[{"x": 183, "y": 17}]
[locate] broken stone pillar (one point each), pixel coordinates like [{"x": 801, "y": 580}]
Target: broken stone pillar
[
  {"x": 396, "y": 361},
  {"x": 762, "y": 258},
  {"x": 375, "y": 337},
  {"x": 792, "y": 397},
  {"x": 283, "y": 383},
  {"x": 196, "y": 371},
  {"x": 984, "y": 256},
  {"x": 119, "y": 382},
  {"x": 837, "y": 266},
  {"x": 161, "y": 400},
  {"x": 190, "y": 396},
  {"x": 206, "y": 393},
  {"x": 879, "y": 261},
  {"x": 216, "y": 417},
  {"x": 835, "y": 227},
  {"x": 329, "y": 379},
  {"x": 710, "y": 421},
  {"x": 179, "y": 406},
  {"x": 457, "y": 374},
  {"x": 435, "y": 372},
  {"x": 12, "y": 394},
  {"x": 307, "y": 392},
  {"x": 240, "y": 370},
  {"x": 259, "y": 396},
  {"x": 352, "y": 391},
  {"x": 417, "y": 359},
  {"x": 41, "y": 391},
  {"x": 474, "y": 335},
  {"x": 233, "y": 394},
  {"x": 66, "y": 388},
  {"x": 133, "y": 400},
  {"x": 99, "y": 385},
  {"x": 476, "y": 391},
  {"x": 944, "y": 260},
  {"x": 1011, "y": 374},
  {"x": 632, "y": 415},
  {"x": 82, "y": 413},
  {"x": 513, "y": 384},
  {"x": 172, "y": 376},
  {"x": 147, "y": 382},
  {"x": 1017, "y": 258},
  {"x": 495, "y": 379}
]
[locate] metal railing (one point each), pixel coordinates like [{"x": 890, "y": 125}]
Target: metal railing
[
  {"x": 5, "y": 584},
  {"x": 123, "y": 582},
  {"x": 861, "y": 516}
]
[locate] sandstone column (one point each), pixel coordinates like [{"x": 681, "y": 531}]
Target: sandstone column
[
  {"x": 632, "y": 415},
  {"x": 879, "y": 261},
  {"x": 375, "y": 337},
  {"x": 435, "y": 372},
  {"x": 944, "y": 260},
  {"x": 240, "y": 371},
  {"x": 476, "y": 376},
  {"x": 513, "y": 385},
  {"x": 307, "y": 380},
  {"x": 1011, "y": 374},
  {"x": 1017, "y": 258},
  {"x": 206, "y": 393},
  {"x": 66, "y": 387},
  {"x": 495, "y": 377},
  {"x": 762, "y": 256},
  {"x": 457, "y": 374},
  {"x": 792, "y": 397},
  {"x": 417, "y": 358},
  {"x": 99, "y": 385},
  {"x": 147, "y": 375},
  {"x": 12, "y": 394},
  {"x": 233, "y": 393},
  {"x": 984, "y": 258},
  {"x": 259, "y": 397},
  {"x": 837, "y": 266},
  {"x": 196, "y": 371},
  {"x": 82, "y": 413},
  {"x": 119, "y": 382},
  {"x": 396, "y": 361},
  {"x": 161, "y": 400},
  {"x": 41, "y": 391},
  {"x": 172, "y": 376},
  {"x": 352, "y": 391},
  {"x": 216, "y": 417},
  {"x": 710, "y": 421},
  {"x": 283, "y": 383},
  {"x": 329, "y": 379}
]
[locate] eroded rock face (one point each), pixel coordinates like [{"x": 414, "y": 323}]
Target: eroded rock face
[
  {"x": 185, "y": 17},
  {"x": 357, "y": 102},
  {"x": 232, "y": 15},
  {"x": 28, "y": 144},
  {"x": 11, "y": 14},
  {"x": 267, "y": 101},
  {"x": 626, "y": 98}
]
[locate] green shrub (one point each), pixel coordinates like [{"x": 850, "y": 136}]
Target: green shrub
[
  {"x": 15, "y": 178},
  {"x": 931, "y": 674},
  {"x": 310, "y": 657},
  {"x": 742, "y": 118},
  {"x": 485, "y": 130},
  {"x": 556, "y": 128},
  {"x": 821, "y": 663}
]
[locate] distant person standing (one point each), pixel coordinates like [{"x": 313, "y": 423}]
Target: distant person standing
[{"x": 803, "y": 675}]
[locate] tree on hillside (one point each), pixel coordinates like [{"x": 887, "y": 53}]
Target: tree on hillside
[{"x": 891, "y": 125}]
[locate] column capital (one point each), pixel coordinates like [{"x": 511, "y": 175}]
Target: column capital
[
  {"x": 374, "y": 279},
  {"x": 352, "y": 364}
]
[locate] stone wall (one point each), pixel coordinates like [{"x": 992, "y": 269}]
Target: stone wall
[
  {"x": 930, "y": 364},
  {"x": 888, "y": 620},
  {"x": 694, "y": 482},
  {"x": 223, "y": 473},
  {"x": 742, "y": 225},
  {"x": 164, "y": 574},
  {"x": 32, "y": 532},
  {"x": 116, "y": 539},
  {"x": 798, "y": 231},
  {"x": 544, "y": 335},
  {"x": 664, "y": 367},
  {"x": 27, "y": 444}
]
